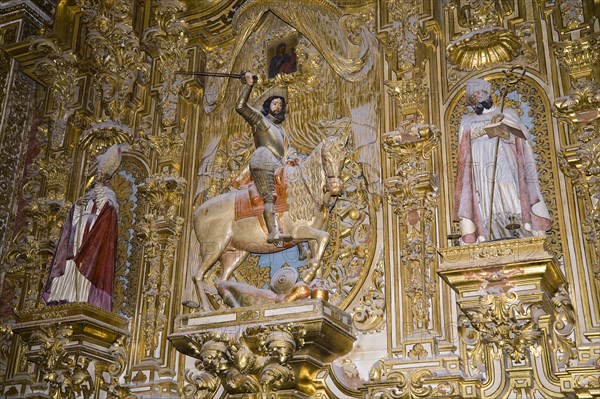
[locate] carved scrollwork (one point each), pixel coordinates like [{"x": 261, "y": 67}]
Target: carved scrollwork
[
  {"x": 117, "y": 55},
  {"x": 407, "y": 384},
  {"x": 369, "y": 316},
  {"x": 66, "y": 374},
  {"x": 563, "y": 326},
  {"x": 114, "y": 387}
]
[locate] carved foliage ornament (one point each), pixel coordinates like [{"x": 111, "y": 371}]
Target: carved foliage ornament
[
  {"x": 58, "y": 69},
  {"x": 407, "y": 384},
  {"x": 116, "y": 53},
  {"x": 257, "y": 361},
  {"x": 67, "y": 375},
  {"x": 168, "y": 39}
]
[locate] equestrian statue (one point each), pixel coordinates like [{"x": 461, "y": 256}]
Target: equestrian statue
[{"x": 286, "y": 204}]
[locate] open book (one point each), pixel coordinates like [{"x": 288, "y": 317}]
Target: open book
[{"x": 503, "y": 129}]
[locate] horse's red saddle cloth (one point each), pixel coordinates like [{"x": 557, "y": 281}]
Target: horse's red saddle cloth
[{"x": 248, "y": 201}]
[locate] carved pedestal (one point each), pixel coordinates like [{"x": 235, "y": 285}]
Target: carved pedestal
[
  {"x": 516, "y": 318},
  {"x": 71, "y": 349},
  {"x": 275, "y": 349}
]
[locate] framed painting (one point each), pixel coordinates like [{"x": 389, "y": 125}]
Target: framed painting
[{"x": 281, "y": 56}]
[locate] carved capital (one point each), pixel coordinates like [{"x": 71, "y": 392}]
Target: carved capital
[{"x": 578, "y": 56}]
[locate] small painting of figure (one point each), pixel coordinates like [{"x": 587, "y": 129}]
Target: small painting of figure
[{"x": 283, "y": 58}]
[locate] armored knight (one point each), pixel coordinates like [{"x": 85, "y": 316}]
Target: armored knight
[{"x": 270, "y": 153}]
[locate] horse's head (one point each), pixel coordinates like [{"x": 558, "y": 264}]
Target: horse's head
[{"x": 333, "y": 156}]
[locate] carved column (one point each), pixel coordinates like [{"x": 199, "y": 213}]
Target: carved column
[
  {"x": 166, "y": 42},
  {"x": 579, "y": 161},
  {"x": 412, "y": 192},
  {"x": 576, "y": 55}
]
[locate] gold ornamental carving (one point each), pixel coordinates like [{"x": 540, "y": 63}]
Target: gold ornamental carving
[
  {"x": 118, "y": 58},
  {"x": 514, "y": 306},
  {"x": 571, "y": 12},
  {"x": 369, "y": 315},
  {"x": 578, "y": 56},
  {"x": 66, "y": 376},
  {"x": 580, "y": 162},
  {"x": 168, "y": 40},
  {"x": 486, "y": 41},
  {"x": 478, "y": 49},
  {"x": 58, "y": 70},
  {"x": 255, "y": 363},
  {"x": 413, "y": 192},
  {"x": 387, "y": 383}
]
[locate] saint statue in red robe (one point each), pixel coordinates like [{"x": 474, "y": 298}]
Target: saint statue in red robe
[{"x": 83, "y": 266}]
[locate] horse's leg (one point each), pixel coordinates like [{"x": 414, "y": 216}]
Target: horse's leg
[
  {"x": 230, "y": 260},
  {"x": 318, "y": 241},
  {"x": 193, "y": 294}
]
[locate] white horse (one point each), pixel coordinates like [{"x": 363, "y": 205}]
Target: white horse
[{"x": 310, "y": 187}]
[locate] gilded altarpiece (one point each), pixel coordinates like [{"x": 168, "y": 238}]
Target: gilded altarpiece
[{"x": 409, "y": 313}]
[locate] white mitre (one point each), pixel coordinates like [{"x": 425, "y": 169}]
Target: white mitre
[{"x": 109, "y": 161}]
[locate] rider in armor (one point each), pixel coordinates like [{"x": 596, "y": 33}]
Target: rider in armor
[{"x": 270, "y": 153}]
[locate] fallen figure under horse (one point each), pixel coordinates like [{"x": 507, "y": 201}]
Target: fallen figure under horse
[{"x": 311, "y": 188}]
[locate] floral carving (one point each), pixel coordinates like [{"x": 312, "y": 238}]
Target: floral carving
[
  {"x": 67, "y": 375},
  {"x": 505, "y": 326},
  {"x": 117, "y": 55},
  {"x": 168, "y": 40},
  {"x": 370, "y": 314}
]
